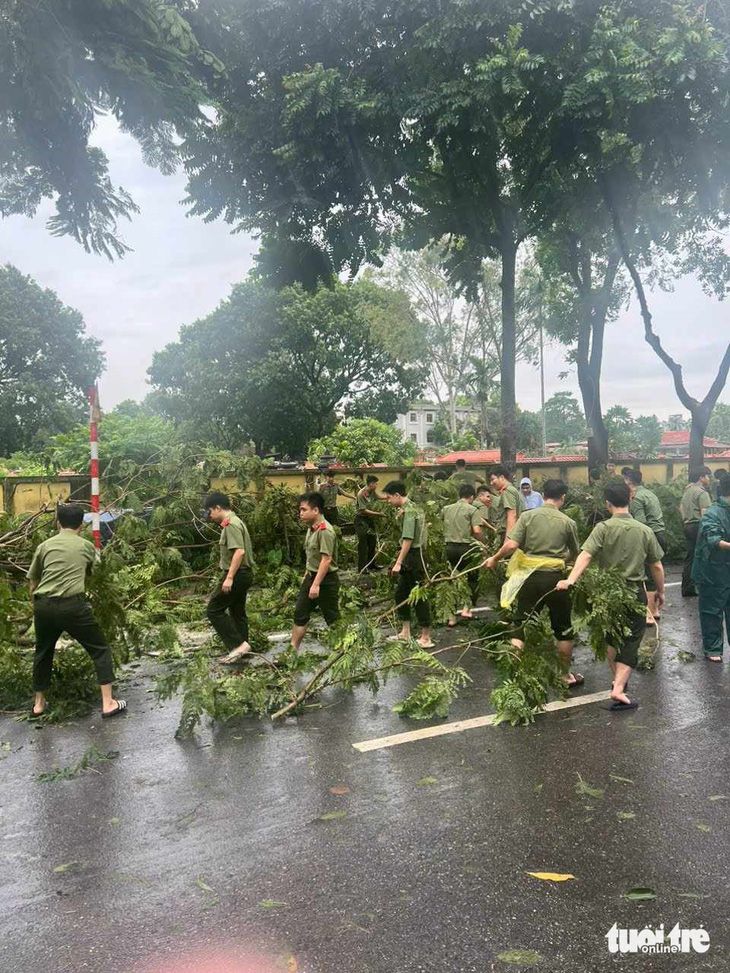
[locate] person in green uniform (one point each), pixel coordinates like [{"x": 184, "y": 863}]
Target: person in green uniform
[
  {"x": 628, "y": 546},
  {"x": 227, "y": 605},
  {"x": 409, "y": 568},
  {"x": 57, "y": 581},
  {"x": 645, "y": 508},
  {"x": 462, "y": 524},
  {"x": 508, "y": 504},
  {"x": 711, "y": 572},
  {"x": 321, "y": 582},
  {"x": 546, "y": 532},
  {"x": 462, "y": 475},
  {"x": 695, "y": 501},
  {"x": 331, "y": 491},
  {"x": 365, "y": 520},
  {"x": 484, "y": 501}
]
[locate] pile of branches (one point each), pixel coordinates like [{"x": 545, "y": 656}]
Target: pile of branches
[{"x": 150, "y": 588}]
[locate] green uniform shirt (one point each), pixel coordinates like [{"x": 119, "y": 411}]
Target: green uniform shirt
[
  {"x": 509, "y": 499},
  {"x": 235, "y": 537},
  {"x": 365, "y": 500},
  {"x": 694, "y": 503},
  {"x": 622, "y": 542},
  {"x": 546, "y": 532},
  {"x": 645, "y": 508},
  {"x": 485, "y": 512},
  {"x": 466, "y": 476},
  {"x": 330, "y": 492},
  {"x": 60, "y": 564},
  {"x": 321, "y": 539},
  {"x": 413, "y": 525},
  {"x": 459, "y": 519}
]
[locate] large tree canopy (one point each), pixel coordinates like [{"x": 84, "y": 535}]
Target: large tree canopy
[
  {"x": 64, "y": 61},
  {"x": 47, "y": 363},
  {"x": 276, "y": 367}
]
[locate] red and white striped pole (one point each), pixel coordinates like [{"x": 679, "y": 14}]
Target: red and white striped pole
[{"x": 94, "y": 465}]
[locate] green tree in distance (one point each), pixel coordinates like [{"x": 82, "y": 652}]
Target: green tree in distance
[
  {"x": 361, "y": 442},
  {"x": 277, "y": 367},
  {"x": 47, "y": 363}
]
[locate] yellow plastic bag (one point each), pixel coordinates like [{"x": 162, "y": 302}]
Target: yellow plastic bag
[{"x": 520, "y": 568}]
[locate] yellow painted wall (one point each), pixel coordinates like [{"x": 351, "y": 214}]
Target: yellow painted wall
[
  {"x": 577, "y": 475},
  {"x": 538, "y": 475},
  {"x": 30, "y": 497},
  {"x": 654, "y": 472}
]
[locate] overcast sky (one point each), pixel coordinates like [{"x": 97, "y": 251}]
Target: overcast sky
[{"x": 181, "y": 268}]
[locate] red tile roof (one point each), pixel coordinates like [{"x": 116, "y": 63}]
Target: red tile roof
[
  {"x": 680, "y": 437},
  {"x": 484, "y": 457}
]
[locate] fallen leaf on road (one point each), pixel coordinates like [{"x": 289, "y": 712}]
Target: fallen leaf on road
[
  {"x": 621, "y": 780},
  {"x": 718, "y": 797},
  {"x": 640, "y": 894},
  {"x": 551, "y": 876},
  {"x": 702, "y": 827},
  {"x": 520, "y": 957},
  {"x": 202, "y": 885},
  {"x": 333, "y": 815},
  {"x": 67, "y": 867},
  {"x": 271, "y": 904},
  {"x": 339, "y": 789},
  {"x": 625, "y": 815},
  {"x": 114, "y": 820},
  {"x": 692, "y": 895},
  {"x": 425, "y": 781},
  {"x": 583, "y": 787}
]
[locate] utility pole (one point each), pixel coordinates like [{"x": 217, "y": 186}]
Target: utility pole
[{"x": 542, "y": 380}]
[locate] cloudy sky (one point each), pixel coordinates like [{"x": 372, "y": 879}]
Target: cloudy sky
[{"x": 181, "y": 268}]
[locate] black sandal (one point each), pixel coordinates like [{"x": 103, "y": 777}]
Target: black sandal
[{"x": 119, "y": 711}]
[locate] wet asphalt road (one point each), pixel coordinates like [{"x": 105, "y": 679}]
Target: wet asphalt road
[{"x": 213, "y": 854}]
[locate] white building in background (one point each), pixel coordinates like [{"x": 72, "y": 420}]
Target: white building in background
[{"x": 417, "y": 424}]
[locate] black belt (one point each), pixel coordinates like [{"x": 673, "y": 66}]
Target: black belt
[{"x": 59, "y": 597}]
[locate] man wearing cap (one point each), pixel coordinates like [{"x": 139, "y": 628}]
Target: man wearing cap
[{"x": 531, "y": 498}]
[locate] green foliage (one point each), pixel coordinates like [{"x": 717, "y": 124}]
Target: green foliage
[
  {"x": 74, "y": 686},
  {"x": 564, "y": 420},
  {"x": 433, "y": 697},
  {"x": 63, "y": 64},
  {"x": 719, "y": 425},
  {"x": 526, "y": 677},
  {"x": 47, "y": 362},
  {"x": 275, "y": 367},
  {"x": 641, "y": 436},
  {"x": 603, "y": 604},
  {"x": 362, "y": 442},
  {"x": 91, "y": 756}
]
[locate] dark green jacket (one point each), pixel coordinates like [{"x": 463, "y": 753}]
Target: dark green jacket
[{"x": 712, "y": 564}]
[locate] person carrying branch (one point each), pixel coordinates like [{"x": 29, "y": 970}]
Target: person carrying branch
[
  {"x": 547, "y": 540},
  {"x": 321, "y": 582},
  {"x": 462, "y": 524},
  {"x": 508, "y": 504},
  {"x": 365, "y": 519},
  {"x": 645, "y": 508},
  {"x": 462, "y": 475},
  {"x": 409, "y": 568},
  {"x": 330, "y": 491},
  {"x": 227, "y": 605},
  {"x": 57, "y": 581},
  {"x": 623, "y": 544}
]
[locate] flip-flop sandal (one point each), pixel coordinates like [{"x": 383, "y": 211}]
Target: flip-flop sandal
[
  {"x": 578, "y": 681},
  {"x": 237, "y": 659},
  {"x": 32, "y": 715},
  {"x": 121, "y": 710},
  {"x": 709, "y": 658},
  {"x": 395, "y": 638},
  {"x": 431, "y": 645},
  {"x": 618, "y": 707},
  {"x": 449, "y": 625}
]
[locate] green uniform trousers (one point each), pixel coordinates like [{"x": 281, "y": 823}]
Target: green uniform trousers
[{"x": 714, "y": 605}]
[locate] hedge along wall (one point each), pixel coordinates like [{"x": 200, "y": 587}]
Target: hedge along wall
[{"x": 20, "y": 495}]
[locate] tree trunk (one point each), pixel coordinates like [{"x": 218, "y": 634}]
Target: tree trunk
[
  {"x": 700, "y": 421},
  {"x": 508, "y": 439},
  {"x": 590, "y": 388},
  {"x": 452, "y": 411}
]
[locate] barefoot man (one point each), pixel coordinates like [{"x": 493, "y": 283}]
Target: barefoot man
[{"x": 628, "y": 546}]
